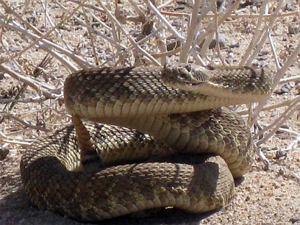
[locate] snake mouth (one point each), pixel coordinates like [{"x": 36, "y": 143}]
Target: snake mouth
[
  {"x": 181, "y": 84},
  {"x": 195, "y": 84}
]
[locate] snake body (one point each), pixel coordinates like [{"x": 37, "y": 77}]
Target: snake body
[{"x": 167, "y": 143}]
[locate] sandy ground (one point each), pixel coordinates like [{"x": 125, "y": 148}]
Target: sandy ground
[{"x": 261, "y": 197}]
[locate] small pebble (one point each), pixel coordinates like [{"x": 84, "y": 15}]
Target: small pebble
[
  {"x": 276, "y": 185},
  {"x": 293, "y": 29},
  {"x": 3, "y": 153},
  {"x": 295, "y": 219},
  {"x": 288, "y": 6},
  {"x": 173, "y": 45},
  {"x": 231, "y": 55},
  {"x": 283, "y": 90},
  {"x": 298, "y": 87},
  {"x": 1, "y": 76},
  {"x": 280, "y": 172},
  {"x": 213, "y": 42}
]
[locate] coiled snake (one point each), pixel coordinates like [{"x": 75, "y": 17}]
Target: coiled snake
[{"x": 187, "y": 158}]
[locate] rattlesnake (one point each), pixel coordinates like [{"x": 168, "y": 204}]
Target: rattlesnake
[{"x": 174, "y": 164}]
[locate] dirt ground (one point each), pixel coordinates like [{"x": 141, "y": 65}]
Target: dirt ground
[{"x": 261, "y": 197}]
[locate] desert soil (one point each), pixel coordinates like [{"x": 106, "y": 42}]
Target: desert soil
[{"x": 261, "y": 197}]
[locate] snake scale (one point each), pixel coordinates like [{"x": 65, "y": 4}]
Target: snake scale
[{"x": 161, "y": 136}]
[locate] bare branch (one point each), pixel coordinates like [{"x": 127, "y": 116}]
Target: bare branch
[{"x": 24, "y": 122}]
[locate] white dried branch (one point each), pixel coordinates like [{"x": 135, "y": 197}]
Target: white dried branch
[
  {"x": 262, "y": 157},
  {"x": 85, "y": 5},
  {"x": 273, "y": 127},
  {"x": 114, "y": 42},
  {"x": 291, "y": 60},
  {"x": 137, "y": 9},
  {"x": 89, "y": 7},
  {"x": 25, "y": 100},
  {"x": 22, "y": 142},
  {"x": 24, "y": 122},
  {"x": 5, "y": 47},
  {"x": 47, "y": 46},
  {"x": 115, "y": 31},
  {"x": 165, "y": 54},
  {"x": 90, "y": 33},
  {"x": 211, "y": 28},
  {"x": 166, "y": 23},
  {"x": 133, "y": 42},
  {"x": 19, "y": 18},
  {"x": 207, "y": 36},
  {"x": 293, "y": 145},
  {"x": 131, "y": 47},
  {"x": 264, "y": 34},
  {"x": 289, "y": 79},
  {"x": 165, "y": 4},
  {"x": 161, "y": 44},
  {"x": 56, "y": 55},
  {"x": 235, "y": 16},
  {"x": 275, "y": 106},
  {"x": 274, "y": 51},
  {"x": 14, "y": 141},
  {"x": 257, "y": 34},
  {"x": 57, "y": 31},
  {"x": 44, "y": 36},
  {"x": 280, "y": 73},
  {"x": 190, "y": 33},
  {"x": 216, "y": 19},
  {"x": 37, "y": 86},
  {"x": 289, "y": 131}
]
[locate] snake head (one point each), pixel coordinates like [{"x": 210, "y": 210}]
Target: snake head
[{"x": 183, "y": 76}]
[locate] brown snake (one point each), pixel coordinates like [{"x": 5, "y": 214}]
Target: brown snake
[{"x": 187, "y": 158}]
